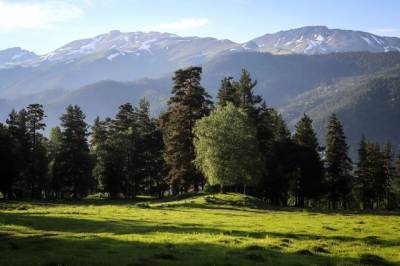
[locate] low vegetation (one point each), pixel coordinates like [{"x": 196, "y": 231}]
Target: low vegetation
[{"x": 194, "y": 229}]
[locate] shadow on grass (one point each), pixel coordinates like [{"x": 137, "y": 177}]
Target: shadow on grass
[
  {"x": 254, "y": 205},
  {"x": 176, "y": 206},
  {"x": 9, "y": 204},
  {"x": 47, "y": 249},
  {"x": 131, "y": 226}
]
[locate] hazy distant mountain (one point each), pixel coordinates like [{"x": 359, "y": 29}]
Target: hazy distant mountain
[
  {"x": 366, "y": 104},
  {"x": 98, "y": 99},
  {"x": 292, "y": 83},
  {"x": 16, "y": 57},
  {"x": 112, "y": 56},
  {"x": 116, "y": 44},
  {"x": 359, "y": 86},
  {"x": 282, "y": 77},
  {"x": 129, "y": 56},
  {"x": 321, "y": 40}
]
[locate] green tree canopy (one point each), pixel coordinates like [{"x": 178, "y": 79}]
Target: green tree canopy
[{"x": 226, "y": 147}]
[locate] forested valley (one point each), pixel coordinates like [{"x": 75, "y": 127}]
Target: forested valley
[{"x": 236, "y": 143}]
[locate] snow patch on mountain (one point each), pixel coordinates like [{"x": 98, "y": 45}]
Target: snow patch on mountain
[
  {"x": 377, "y": 40},
  {"x": 112, "y": 56},
  {"x": 368, "y": 41},
  {"x": 109, "y": 46},
  {"x": 19, "y": 55},
  {"x": 146, "y": 45},
  {"x": 300, "y": 40},
  {"x": 320, "y": 38},
  {"x": 15, "y": 57}
]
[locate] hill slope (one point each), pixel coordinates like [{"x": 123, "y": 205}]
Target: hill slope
[
  {"x": 125, "y": 56},
  {"x": 366, "y": 104},
  {"x": 317, "y": 84},
  {"x": 322, "y": 40}
]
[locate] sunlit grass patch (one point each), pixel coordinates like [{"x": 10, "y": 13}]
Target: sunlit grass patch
[{"x": 192, "y": 230}]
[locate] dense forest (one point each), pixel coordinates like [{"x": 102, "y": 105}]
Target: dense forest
[{"x": 237, "y": 143}]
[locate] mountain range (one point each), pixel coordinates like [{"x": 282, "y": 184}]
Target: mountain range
[
  {"x": 311, "y": 69},
  {"x": 129, "y": 56}
]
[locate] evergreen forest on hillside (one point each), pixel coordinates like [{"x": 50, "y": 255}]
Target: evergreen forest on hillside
[{"x": 234, "y": 144}]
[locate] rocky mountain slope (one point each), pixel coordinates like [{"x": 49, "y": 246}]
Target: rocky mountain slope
[
  {"x": 322, "y": 40},
  {"x": 16, "y": 56},
  {"x": 103, "y": 72},
  {"x": 362, "y": 88},
  {"x": 135, "y": 55},
  {"x": 366, "y": 104}
]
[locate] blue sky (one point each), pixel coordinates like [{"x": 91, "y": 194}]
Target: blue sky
[{"x": 45, "y": 25}]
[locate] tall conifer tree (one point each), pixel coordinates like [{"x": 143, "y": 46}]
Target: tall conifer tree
[
  {"x": 227, "y": 92},
  {"x": 309, "y": 178},
  {"x": 74, "y": 162},
  {"x": 17, "y": 125},
  {"x": 7, "y": 169},
  {"x": 338, "y": 163},
  {"x": 363, "y": 179},
  {"x": 389, "y": 174},
  {"x": 189, "y": 102},
  {"x": 38, "y": 161}
]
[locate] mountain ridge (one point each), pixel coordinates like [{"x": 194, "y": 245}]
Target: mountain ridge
[
  {"x": 125, "y": 42},
  {"x": 99, "y": 77}
]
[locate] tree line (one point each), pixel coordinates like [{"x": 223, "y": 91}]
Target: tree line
[{"x": 236, "y": 144}]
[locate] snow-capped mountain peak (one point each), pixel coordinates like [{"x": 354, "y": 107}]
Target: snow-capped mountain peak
[
  {"x": 115, "y": 45},
  {"x": 321, "y": 40},
  {"x": 114, "y": 40},
  {"x": 15, "y": 56}
]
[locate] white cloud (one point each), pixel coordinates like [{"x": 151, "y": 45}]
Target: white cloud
[
  {"x": 36, "y": 14},
  {"x": 182, "y": 24}
]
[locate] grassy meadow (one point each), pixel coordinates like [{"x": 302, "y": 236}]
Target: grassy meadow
[{"x": 222, "y": 229}]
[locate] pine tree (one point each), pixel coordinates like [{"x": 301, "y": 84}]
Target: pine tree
[
  {"x": 389, "y": 174},
  {"x": 125, "y": 135},
  {"x": 227, "y": 92},
  {"x": 35, "y": 116},
  {"x": 278, "y": 154},
  {"x": 339, "y": 166},
  {"x": 40, "y": 173},
  {"x": 21, "y": 145},
  {"x": 376, "y": 173},
  {"x": 37, "y": 173},
  {"x": 363, "y": 179},
  {"x": 282, "y": 133},
  {"x": 244, "y": 88},
  {"x": 309, "y": 179},
  {"x": 74, "y": 162},
  {"x": 7, "y": 170},
  {"x": 114, "y": 144},
  {"x": 98, "y": 144},
  {"x": 305, "y": 135},
  {"x": 156, "y": 169},
  {"x": 266, "y": 127},
  {"x": 189, "y": 103},
  {"x": 55, "y": 141},
  {"x": 54, "y": 150},
  {"x": 150, "y": 162},
  {"x": 396, "y": 181}
]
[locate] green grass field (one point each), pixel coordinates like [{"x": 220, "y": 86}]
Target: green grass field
[{"x": 197, "y": 230}]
